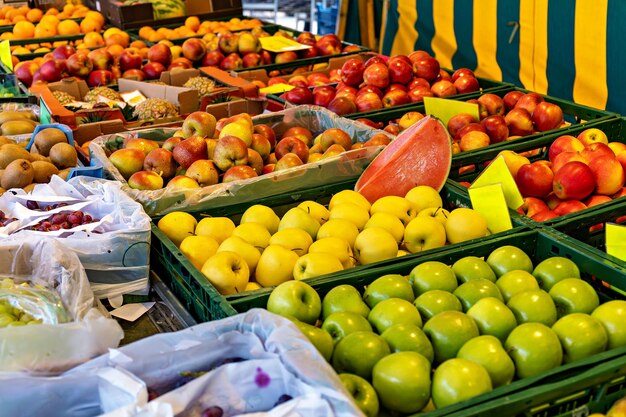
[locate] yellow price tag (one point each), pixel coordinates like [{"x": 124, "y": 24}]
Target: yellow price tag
[
  {"x": 498, "y": 173},
  {"x": 444, "y": 109},
  {"x": 281, "y": 44},
  {"x": 5, "y": 55},
  {"x": 615, "y": 239},
  {"x": 276, "y": 88},
  {"x": 489, "y": 201}
]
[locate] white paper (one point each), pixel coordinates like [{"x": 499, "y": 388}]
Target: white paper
[{"x": 131, "y": 312}]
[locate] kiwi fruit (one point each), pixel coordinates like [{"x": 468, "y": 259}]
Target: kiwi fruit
[
  {"x": 45, "y": 139},
  {"x": 63, "y": 155},
  {"x": 36, "y": 157},
  {"x": 44, "y": 171},
  {"x": 4, "y": 140},
  {"x": 10, "y": 152},
  {"x": 64, "y": 173},
  {"x": 30, "y": 187},
  {"x": 18, "y": 174}
]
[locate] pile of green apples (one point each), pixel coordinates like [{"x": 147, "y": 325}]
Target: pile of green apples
[{"x": 444, "y": 334}]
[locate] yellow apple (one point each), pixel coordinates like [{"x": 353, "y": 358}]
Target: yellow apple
[
  {"x": 389, "y": 222},
  {"x": 316, "y": 264},
  {"x": 252, "y": 286},
  {"x": 349, "y": 196},
  {"x": 315, "y": 209},
  {"x": 400, "y": 207},
  {"x": 219, "y": 228},
  {"x": 465, "y": 224},
  {"x": 275, "y": 266},
  {"x": 177, "y": 226},
  {"x": 424, "y": 196},
  {"x": 298, "y": 218},
  {"x": 373, "y": 245},
  {"x": 238, "y": 129},
  {"x": 424, "y": 233},
  {"x": 336, "y": 246},
  {"x": 293, "y": 239},
  {"x": 513, "y": 161},
  {"x": 339, "y": 228},
  {"x": 261, "y": 214},
  {"x": 227, "y": 271},
  {"x": 255, "y": 234},
  {"x": 402, "y": 252},
  {"x": 354, "y": 213},
  {"x": 243, "y": 248},
  {"x": 198, "y": 249},
  {"x": 436, "y": 213}
]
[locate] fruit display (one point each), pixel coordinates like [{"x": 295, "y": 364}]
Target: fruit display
[
  {"x": 437, "y": 333},
  {"x": 312, "y": 239},
  {"x": 26, "y": 304},
  {"x": 193, "y": 26}
]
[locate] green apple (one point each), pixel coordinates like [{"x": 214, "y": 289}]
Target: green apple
[
  {"x": 393, "y": 311},
  {"x": 374, "y": 245},
  {"x": 432, "y": 275},
  {"x": 298, "y": 218},
  {"x": 315, "y": 209},
  {"x": 227, "y": 271},
  {"x": 534, "y": 348},
  {"x": 513, "y": 282},
  {"x": 388, "y": 286},
  {"x": 358, "y": 352},
  {"x": 509, "y": 258},
  {"x": 295, "y": 299},
  {"x": 362, "y": 392},
  {"x": 243, "y": 248},
  {"x": 402, "y": 381},
  {"x": 424, "y": 196},
  {"x": 406, "y": 337},
  {"x": 344, "y": 298},
  {"x": 581, "y": 336},
  {"x": 552, "y": 270},
  {"x": 457, "y": 380},
  {"x": 424, "y": 233},
  {"x": 573, "y": 295},
  {"x": 255, "y": 234},
  {"x": 448, "y": 331},
  {"x": 437, "y": 213},
  {"x": 342, "y": 323},
  {"x": 336, "y": 246},
  {"x": 219, "y": 228},
  {"x": 493, "y": 317},
  {"x": 472, "y": 267},
  {"x": 488, "y": 351},
  {"x": 316, "y": 264},
  {"x": 465, "y": 224},
  {"x": 294, "y": 239},
  {"x": 389, "y": 222},
  {"x": 434, "y": 302},
  {"x": 612, "y": 315},
  {"x": 349, "y": 196},
  {"x": 474, "y": 290},
  {"x": 354, "y": 213},
  {"x": 275, "y": 266},
  {"x": 261, "y": 214},
  {"x": 533, "y": 306},
  {"x": 400, "y": 207},
  {"x": 341, "y": 228},
  {"x": 320, "y": 338}
]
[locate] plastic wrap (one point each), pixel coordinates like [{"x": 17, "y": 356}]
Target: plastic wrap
[
  {"x": 335, "y": 169},
  {"x": 33, "y": 303},
  {"x": 49, "y": 348},
  {"x": 250, "y": 360},
  {"x": 117, "y": 256}
]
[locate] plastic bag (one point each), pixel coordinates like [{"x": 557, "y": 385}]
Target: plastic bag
[
  {"x": 32, "y": 303},
  {"x": 341, "y": 167},
  {"x": 251, "y": 360},
  {"x": 49, "y": 348},
  {"x": 116, "y": 258}
]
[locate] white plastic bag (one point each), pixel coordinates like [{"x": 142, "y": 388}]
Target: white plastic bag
[
  {"x": 117, "y": 259},
  {"x": 250, "y": 360},
  {"x": 44, "y": 348}
]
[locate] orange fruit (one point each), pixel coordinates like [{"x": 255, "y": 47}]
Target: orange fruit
[
  {"x": 89, "y": 25},
  {"x": 23, "y": 10},
  {"x": 21, "y": 50},
  {"x": 24, "y": 30},
  {"x": 93, "y": 39},
  {"x": 34, "y": 15},
  {"x": 45, "y": 31},
  {"x": 98, "y": 17},
  {"x": 51, "y": 20},
  {"x": 68, "y": 27},
  {"x": 68, "y": 8},
  {"x": 59, "y": 43},
  {"x": 15, "y": 60},
  {"x": 109, "y": 32},
  {"x": 115, "y": 50},
  {"x": 145, "y": 31},
  {"x": 7, "y": 36},
  {"x": 144, "y": 52},
  {"x": 155, "y": 37},
  {"x": 39, "y": 60},
  {"x": 138, "y": 44},
  {"x": 116, "y": 39},
  {"x": 52, "y": 11},
  {"x": 192, "y": 22},
  {"x": 42, "y": 50},
  {"x": 63, "y": 16},
  {"x": 18, "y": 18},
  {"x": 5, "y": 22}
]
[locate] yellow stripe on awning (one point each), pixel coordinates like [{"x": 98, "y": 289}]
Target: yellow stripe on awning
[
  {"x": 590, "y": 84},
  {"x": 444, "y": 41},
  {"x": 526, "y": 43},
  {"x": 541, "y": 46},
  {"x": 485, "y": 39},
  {"x": 404, "y": 42}
]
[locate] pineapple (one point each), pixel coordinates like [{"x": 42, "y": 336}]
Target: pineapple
[
  {"x": 155, "y": 108},
  {"x": 202, "y": 84},
  {"x": 92, "y": 95},
  {"x": 63, "y": 97}
]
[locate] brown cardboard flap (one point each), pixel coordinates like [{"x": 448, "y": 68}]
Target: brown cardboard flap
[
  {"x": 249, "y": 89},
  {"x": 179, "y": 77},
  {"x": 84, "y": 133},
  {"x": 231, "y": 108}
]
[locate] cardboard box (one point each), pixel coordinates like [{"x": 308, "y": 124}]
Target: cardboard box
[{"x": 225, "y": 78}]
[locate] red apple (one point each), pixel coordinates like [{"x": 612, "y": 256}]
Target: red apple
[
  {"x": 510, "y": 99},
  {"x": 298, "y": 81},
  {"x": 377, "y": 59},
  {"x": 160, "y": 53},
  {"x": 63, "y": 52},
  {"x": 376, "y": 75},
  {"x": 291, "y": 144},
  {"x": 229, "y": 42},
  {"x": 418, "y": 82},
  {"x": 529, "y": 102},
  {"x": 393, "y": 129},
  {"x": 370, "y": 89},
  {"x": 573, "y": 181},
  {"x": 329, "y": 44},
  {"x": 608, "y": 174},
  {"x": 212, "y": 58},
  {"x": 290, "y": 160},
  {"x": 443, "y": 75},
  {"x": 426, "y": 67},
  {"x": 417, "y": 55},
  {"x": 519, "y": 122},
  {"x": 134, "y": 74},
  {"x": 52, "y": 70},
  {"x": 323, "y": 95},
  {"x": 266, "y": 131},
  {"x": 462, "y": 72},
  {"x": 564, "y": 143},
  {"x": 153, "y": 70},
  {"x": 231, "y": 62},
  {"x": 534, "y": 180},
  {"x": 417, "y": 94},
  {"x": 552, "y": 200},
  {"x": 595, "y": 199},
  {"x": 568, "y": 207},
  {"x": 400, "y": 70},
  {"x": 317, "y": 78},
  {"x": 285, "y": 57},
  {"x": 130, "y": 59},
  {"x": 252, "y": 60},
  {"x": 238, "y": 173},
  {"x": 26, "y": 71},
  {"x": 470, "y": 127},
  {"x": 493, "y": 104},
  {"x": 547, "y": 116},
  {"x": 299, "y": 95},
  {"x": 482, "y": 111},
  {"x": 269, "y": 168},
  {"x": 101, "y": 59},
  {"x": 79, "y": 65},
  {"x": 458, "y": 122},
  {"x": 400, "y": 58},
  {"x": 542, "y": 216},
  {"x": 466, "y": 85},
  {"x": 299, "y": 132},
  {"x": 395, "y": 98},
  {"x": 368, "y": 102},
  {"x": 100, "y": 78},
  {"x": 342, "y": 106},
  {"x": 495, "y": 126},
  {"x": 181, "y": 62},
  {"x": 473, "y": 140},
  {"x": 352, "y": 72},
  {"x": 532, "y": 206},
  {"x": 443, "y": 88},
  {"x": 565, "y": 157},
  {"x": 193, "y": 49},
  {"x": 335, "y": 75},
  {"x": 595, "y": 150},
  {"x": 397, "y": 87}
]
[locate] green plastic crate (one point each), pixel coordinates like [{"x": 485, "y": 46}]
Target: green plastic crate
[
  {"x": 593, "y": 383},
  {"x": 203, "y": 301}
]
